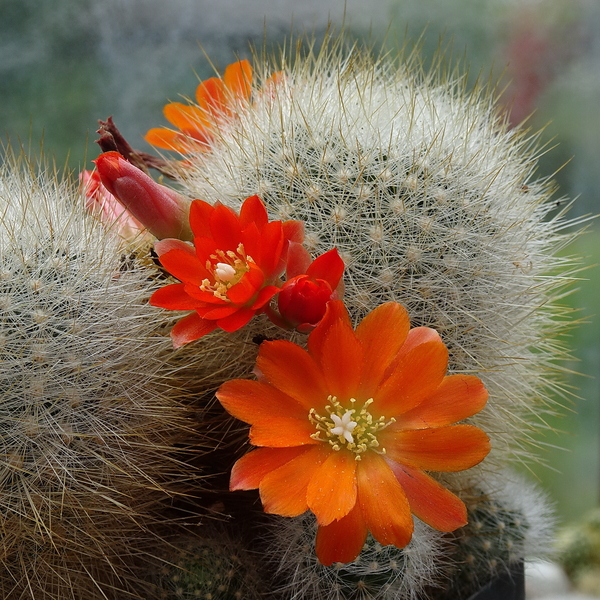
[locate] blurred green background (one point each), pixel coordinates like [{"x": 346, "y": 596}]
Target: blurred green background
[{"x": 66, "y": 63}]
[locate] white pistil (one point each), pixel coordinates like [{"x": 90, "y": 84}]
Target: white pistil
[
  {"x": 344, "y": 426},
  {"x": 224, "y": 272}
]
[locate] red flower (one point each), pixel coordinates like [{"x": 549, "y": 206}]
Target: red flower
[
  {"x": 349, "y": 428},
  {"x": 160, "y": 209},
  {"x": 229, "y": 274},
  {"x": 304, "y": 297}
]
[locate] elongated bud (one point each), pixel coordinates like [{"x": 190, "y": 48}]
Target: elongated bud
[{"x": 163, "y": 211}]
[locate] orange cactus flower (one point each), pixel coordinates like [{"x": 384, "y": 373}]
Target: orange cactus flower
[
  {"x": 349, "y": 429},
  {"x": 216, "y": 99},
  {"x": 229, "y": 274}
]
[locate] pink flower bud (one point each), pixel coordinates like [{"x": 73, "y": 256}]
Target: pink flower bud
[{"x": 163, "y": 211}]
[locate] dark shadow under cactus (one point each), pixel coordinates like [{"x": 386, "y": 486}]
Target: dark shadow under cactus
[{"x": 509, "y": 585}]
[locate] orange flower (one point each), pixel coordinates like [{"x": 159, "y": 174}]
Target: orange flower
[
  {"x": 216, "y": 99},
  {"x": 349, "y": 428},
  {"x": 228, "y": 276}
]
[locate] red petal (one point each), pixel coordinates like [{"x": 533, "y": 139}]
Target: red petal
[
  {"x": 245, "y": 289},
  {"x": 185, "y": 266},
  {"x": 335, "y": 311},
  {"x": 458, "y": 397},
  {"x": 429, "y": 500},
  {"x": 342, "y": 540},
  {"x": 248, "y": 471},
  {"x": 271, "y": 247},
  {"x": 264, "y": 296},
  {"x": 200, "y": 213},
  {"x": 251, "y": 401},
  {"x": 173, "y": 297},
  {"x": 292, "y": 370},
  {"x": 328, "y": 266},
  {"x": 298, "y": 260},
  {"x": 446, "y": 449},
  {"x": 237, "y": 320},
  {"x": 283, "y": 491},
  {"x": 382, "y": 333},
  {"x": 253, "y": 211},
  {"x": 331, "y": 493},
  {"x": 341, "y": 360},
  {"x": 190, "y": 328},
  {"x": 225, "y": 228},
  {"x": 217, "y": 312},
  {"x": 294, "y": 231},
  {"x": 282, "y": 432},
  {"x": 413, "y": 378},
  {"x": 383, "y": 502}
]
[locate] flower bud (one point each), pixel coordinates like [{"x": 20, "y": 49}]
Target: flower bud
[{"x": 163, "y": 211}]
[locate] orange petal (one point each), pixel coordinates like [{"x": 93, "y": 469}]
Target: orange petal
[
  {"x": 382, "y": 333},
  {"x": 341, "y": 360},
  {"x": 282, "y": 432},
  {"x": 331, "y": 493},
  {"x": 248, "y": 471},
  {"x": 445, "y": 449},
  {"x": 251, "y": 401},
  {"x": 414, "y": 377},
  {"x": 292, "y": 370},
  {"x": 429, "y": 500},
  {"x": 238, "y": 78},
  {"x": 173, "y": 297},
  {"x": 211, "y": 96},
  {"x": 283, "y": 491},
  {"x": 185, "y": 117},
  {"x": 383, "y": 502},
  {"x": 342, "y": 540},
  {"x": 190, "y": 328},
  {"x": 168, "y": 140},
  {"x": 335, "y": 311},
  {"x": 458, "y": 397}
]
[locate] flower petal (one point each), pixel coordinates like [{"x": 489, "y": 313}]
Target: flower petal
[
  {"x": 291, "y": 369},
  {"x": 382, "y": 333},
  {"x": 173, "y": 297},
  {"x": 414, "y": 377},
  {"x": 445, "y": 449},
  {"x": 237, "y": 320},
  {"x": 185, "y": 266},
  {"x": 331, "y": 493},
  {"x": 248, "y": 471},
  {"x": 251, "y": 401},
  {"x": 238, "y": 78},
  {"x": 200, "y": 213},
  {"x": 429, "y": 500},
  {"x": 328, "y": 266},
  {"x": 190, "y": 328},
  {"x": 383, "y": 502},
  {"x": 163, "y": 246},
  {"x": 335, "y": 311},
  {"x": 283, "y": 491},
  {"x": 282, "y": 432},
  {"x": 342, "y": 540},
  {"x": 225, "y": 228},
  {"x": 458, "y": 397},
  {"x": 253, "y": 211},
  {"x": 186, "y": 118},
  {"x": 168, "y": 140}
]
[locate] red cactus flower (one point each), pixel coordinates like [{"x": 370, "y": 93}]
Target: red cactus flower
[
  {"x": 230, "y": 273},
  {"x": 160, "y": 209},
  {"x": 350, "y": 429}
]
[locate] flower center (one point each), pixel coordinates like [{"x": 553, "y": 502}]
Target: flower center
[
  {"x": 227, "y": 267},
  {"x": 350, "y": 428}
]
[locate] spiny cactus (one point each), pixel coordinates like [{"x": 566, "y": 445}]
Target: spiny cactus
[
  {"x": 509, "y": 520},
  {"x": 429, "y": 198},
  {"x": 209, "y": 566},
  {"x": 93, "y": 417},
  {"x": 379, "y": 572}
]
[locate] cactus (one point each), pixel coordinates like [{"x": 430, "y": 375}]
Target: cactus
[
  {"x": 431, "y": 201},
  {"x": 93, "y": 409}
]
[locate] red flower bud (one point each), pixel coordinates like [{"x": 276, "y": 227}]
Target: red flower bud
[
  {"x": 163, "y": 211},
  {"x": 303, "y": 299}
]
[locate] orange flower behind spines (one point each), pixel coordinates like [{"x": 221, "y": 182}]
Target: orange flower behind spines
[
  {"x": 217, "y": 98},
  {"x": 332, "y": 436}
]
